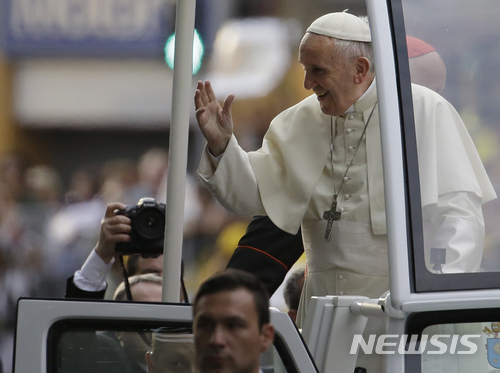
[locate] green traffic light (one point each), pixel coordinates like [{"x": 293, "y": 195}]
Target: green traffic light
[{"x": 198, "y": 51}]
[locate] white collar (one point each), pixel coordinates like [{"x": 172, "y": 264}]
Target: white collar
[{"x": 372, "y": 86}]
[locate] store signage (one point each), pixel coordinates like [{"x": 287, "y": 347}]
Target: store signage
[{"x": 86, "y": 27}]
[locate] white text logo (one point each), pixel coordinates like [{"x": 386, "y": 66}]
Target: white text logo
[{"x": 439, "y": 344}]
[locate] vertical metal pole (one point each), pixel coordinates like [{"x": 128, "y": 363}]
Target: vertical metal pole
[{"x": 182, "y": 103}]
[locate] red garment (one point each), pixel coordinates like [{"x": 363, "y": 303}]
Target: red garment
[{"x": 417, "y": 47}]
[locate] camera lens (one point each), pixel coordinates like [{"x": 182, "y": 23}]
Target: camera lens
[{"x": 151, "y": 223}]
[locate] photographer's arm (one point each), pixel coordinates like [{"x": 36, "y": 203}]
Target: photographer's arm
[{"x": 90, "y": 280}]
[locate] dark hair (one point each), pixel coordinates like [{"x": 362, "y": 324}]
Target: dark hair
[
  {"x": 133, "y": 265},
  {"x": 234, "y": 279},
  {"x": 293, "y": 289}
]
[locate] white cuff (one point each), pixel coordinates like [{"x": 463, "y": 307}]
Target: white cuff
[{"x": 92, "y": 275}]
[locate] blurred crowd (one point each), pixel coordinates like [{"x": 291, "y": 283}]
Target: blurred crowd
[{"x": 47, "y": 228}]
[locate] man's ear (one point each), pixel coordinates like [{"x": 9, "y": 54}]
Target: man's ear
[
  {"x": 362, "y": 66},
  {"x": 266, "y": 337},
  {"x": 149, "y": 361}
]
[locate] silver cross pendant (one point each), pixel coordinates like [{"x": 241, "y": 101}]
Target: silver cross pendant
[{"x": 331, "y": 216}]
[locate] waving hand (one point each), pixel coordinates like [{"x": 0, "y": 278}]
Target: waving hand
[{"x": 215, "y": 122}]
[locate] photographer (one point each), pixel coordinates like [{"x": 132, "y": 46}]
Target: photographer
[
  {"x": 125, "y": 230},
  {"x": 90, "y": 281}
]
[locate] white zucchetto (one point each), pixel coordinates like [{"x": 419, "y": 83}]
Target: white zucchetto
[{"x": 343, "y": 26}]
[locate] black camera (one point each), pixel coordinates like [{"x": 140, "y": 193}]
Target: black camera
[{"x": 148, "y": 229}]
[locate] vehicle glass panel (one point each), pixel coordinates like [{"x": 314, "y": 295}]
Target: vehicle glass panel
[
  {"x": 76, "y": 346},
  {"x": 458, "y": 217},
  {"x": 436, "y": 343}
]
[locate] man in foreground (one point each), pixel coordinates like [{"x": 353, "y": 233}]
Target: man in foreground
[{"x": 231, "y": 323}]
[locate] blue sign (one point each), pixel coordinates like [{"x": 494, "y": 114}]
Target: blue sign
[{"x": 86, "y": 27}]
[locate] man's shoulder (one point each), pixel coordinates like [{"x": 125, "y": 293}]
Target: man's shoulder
[
  {"x": 310, "y": 102},
  {"x": 308, "y": 108},
  {"x": 424, "y": 94}
]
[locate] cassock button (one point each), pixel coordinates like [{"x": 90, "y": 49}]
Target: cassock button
[
  {"x": 351, "y": 116},
  {"x": 347, "y": 196},
  {"x": 346, "y": 179},
  {"x": 340, "y": 277},
  {"x": 348, "y": 130},
  {"x": 341, "y": 293}
]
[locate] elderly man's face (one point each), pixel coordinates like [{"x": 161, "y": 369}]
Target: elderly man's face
[
  {"x": 227, "y": 334},
  {"x": 332, "y": 77},
  {"x": 171, "y": 356}
]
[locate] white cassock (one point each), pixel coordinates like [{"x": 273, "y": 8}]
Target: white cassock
[{"x": 290, "y": 180}]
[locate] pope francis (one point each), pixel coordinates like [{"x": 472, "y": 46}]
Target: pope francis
[{"x": 320, "y": 167}]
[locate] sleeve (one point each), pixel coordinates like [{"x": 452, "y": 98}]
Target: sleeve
[
  {"x": 73, "y": 291},
  {"x": 232, "y": 181},
  {"x": 267, "y": 252},
  {"x": 91, "y": 278},
  {"x": 455, "y": 223}
]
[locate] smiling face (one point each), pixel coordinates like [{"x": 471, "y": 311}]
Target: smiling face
[
  {"x": 228, "y": 338},
  {"x": 337, "y": 81}
]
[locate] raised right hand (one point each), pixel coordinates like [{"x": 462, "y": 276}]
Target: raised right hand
[
  {"x": 114, "y": 228},
  {"x": 215, "y": 122}
]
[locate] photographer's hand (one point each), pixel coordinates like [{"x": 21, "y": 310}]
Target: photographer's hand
[{"x": 114, "y": 228}]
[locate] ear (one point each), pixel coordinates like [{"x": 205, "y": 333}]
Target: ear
[
  {"x": 362, "y": 66},
  {"x": 149, "y": 361},
  {"x": 266, "y": 337}
]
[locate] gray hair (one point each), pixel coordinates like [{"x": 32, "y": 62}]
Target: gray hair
[
  {"x": 133, "y": 280},
  {"x": 355, "y": 49},
  {"x": 293, "y": 289}
]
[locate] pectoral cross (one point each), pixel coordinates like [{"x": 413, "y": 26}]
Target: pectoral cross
[{"x": 331, "y": 215}]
